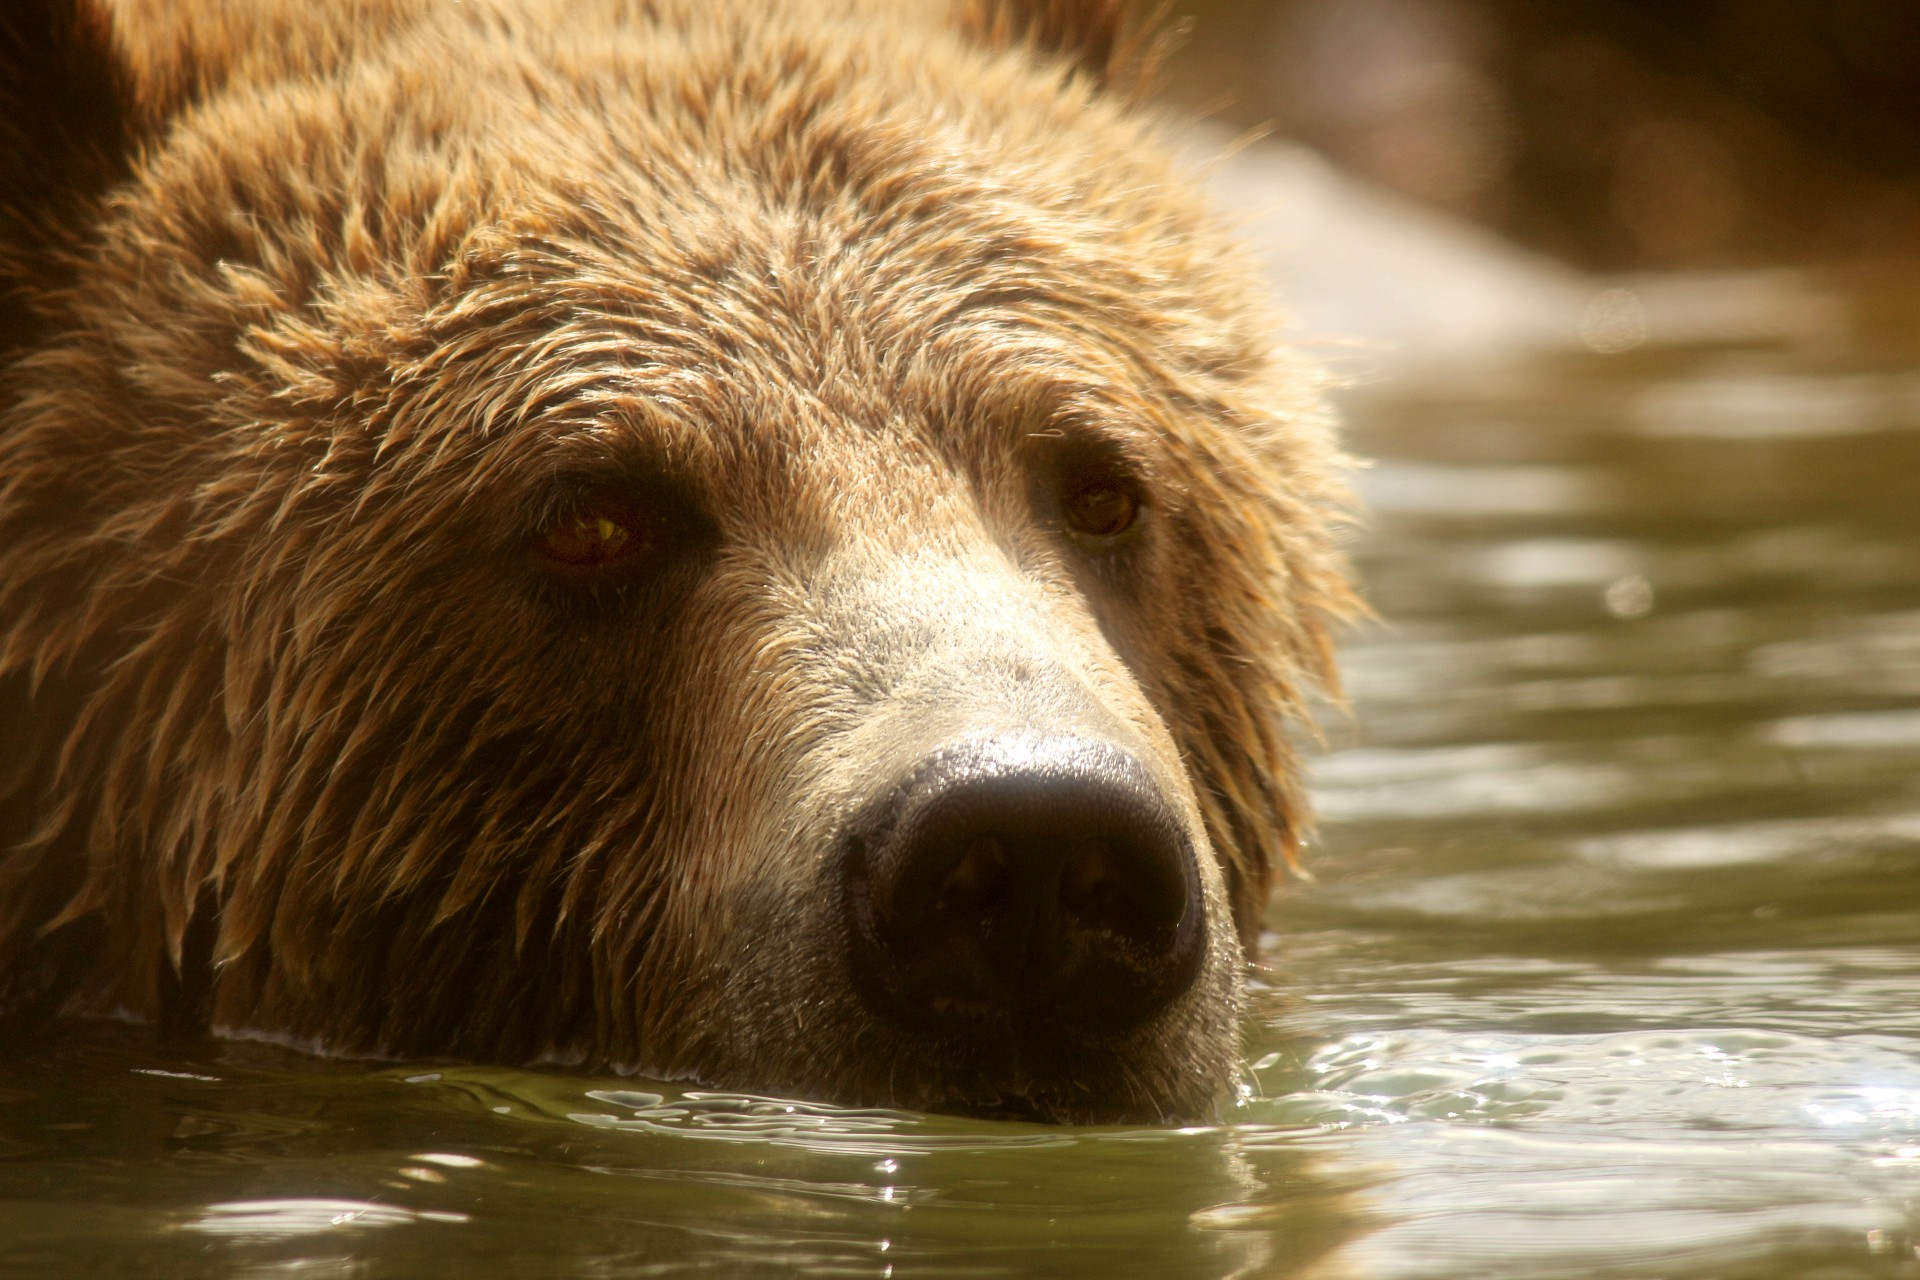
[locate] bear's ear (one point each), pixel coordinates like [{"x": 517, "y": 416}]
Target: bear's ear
[
  {"x": 68, "y": 120},
  {"x": 1110, "y": 40}
]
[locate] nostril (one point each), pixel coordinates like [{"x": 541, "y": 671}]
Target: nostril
[
  {"x": 1088, "y": 885},
  {"x": 978, "y": 882},
  {"x": 1097, "y": 892}
]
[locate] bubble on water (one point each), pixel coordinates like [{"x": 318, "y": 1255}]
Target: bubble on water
[
  {"x": 1615, "y": 321},
  {"x": 1629, "y": 596}
]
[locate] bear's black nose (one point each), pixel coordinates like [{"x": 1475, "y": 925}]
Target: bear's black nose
[{"x": 1026, "y": 880}]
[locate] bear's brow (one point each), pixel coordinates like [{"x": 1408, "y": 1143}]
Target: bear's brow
[{"x": 1095, "y": 417}]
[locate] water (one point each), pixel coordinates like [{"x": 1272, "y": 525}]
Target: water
[{"x": 1610, "y": 967}]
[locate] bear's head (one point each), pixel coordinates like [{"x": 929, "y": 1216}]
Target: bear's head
[{"x": 769, "y": 544}]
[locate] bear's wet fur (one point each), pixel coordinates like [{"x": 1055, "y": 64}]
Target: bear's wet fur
[{"x": 643, "y": 533}]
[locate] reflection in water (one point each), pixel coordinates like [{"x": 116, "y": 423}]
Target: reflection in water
[
  {"x": 1614, "y": 937},
  {"x": 1609, "y": 967},
  {"x": 277, "y": 1163},
  {"x": 282, "y": 1219},
  {"x": 1757, "y": 404}
]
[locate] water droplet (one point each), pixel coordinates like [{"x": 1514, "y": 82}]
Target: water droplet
[{"x": 1629, "y": 597}]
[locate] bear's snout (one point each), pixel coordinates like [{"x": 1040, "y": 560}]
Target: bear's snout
[{"x": 1023, "y": 882}]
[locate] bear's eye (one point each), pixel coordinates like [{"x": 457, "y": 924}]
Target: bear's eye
[
  {"x": 595, "y": 536},
  {"x": 1105, "y": 508}
]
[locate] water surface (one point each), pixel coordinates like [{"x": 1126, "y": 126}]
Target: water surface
[{"x": 1610, "y": 966}]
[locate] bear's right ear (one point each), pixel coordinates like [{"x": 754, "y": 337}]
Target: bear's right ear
[
  {"x": 68, "y": 127},
  {"x": 1109, "y": 40}
]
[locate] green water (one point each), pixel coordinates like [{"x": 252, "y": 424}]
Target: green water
[{"x": 1610, "y": 969}]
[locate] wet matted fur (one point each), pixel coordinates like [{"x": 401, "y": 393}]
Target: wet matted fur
[{"x": 318, "y": 317}]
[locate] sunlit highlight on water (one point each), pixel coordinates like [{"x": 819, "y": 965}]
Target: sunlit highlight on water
[{"x": 279, "y": 1219}]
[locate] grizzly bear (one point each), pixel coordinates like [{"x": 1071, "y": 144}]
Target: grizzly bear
[{"x": 769, "y": 544}]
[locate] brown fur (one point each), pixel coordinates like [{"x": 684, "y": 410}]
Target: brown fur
[{"x": 299, "y": 743}]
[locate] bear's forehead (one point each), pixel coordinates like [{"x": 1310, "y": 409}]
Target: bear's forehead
[
  {"x": 831, "y": 246},
  {"x": 562, "y": 293},
  {"x": 925, "y": 229},
  {"x": 678, "y": 159}
]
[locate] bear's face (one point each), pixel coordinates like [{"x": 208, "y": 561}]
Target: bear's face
[{"x": 695, "y": 549}]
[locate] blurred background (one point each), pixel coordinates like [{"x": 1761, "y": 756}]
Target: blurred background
[{"x": 1612, "y": 135}]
